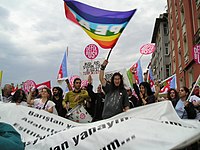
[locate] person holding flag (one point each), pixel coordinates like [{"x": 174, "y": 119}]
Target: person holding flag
[
  {"x": 116, "y": 97},
  {"x": 144, "y": 92}
]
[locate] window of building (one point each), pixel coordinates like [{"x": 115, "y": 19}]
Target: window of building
[
  {"x": 174, "y": 65},
  {"x": 167, "y": 71},
  {"x": 190, "y": 76},
  {"x": 186, "y": 53},
  {"x": 166, "y": 49},
  {"x": 178, "y": 32},
  {"x": 182, "y": 15},
  {"x": 179, "y": 57},
  {"x": 198, "y": 22},
  {"x": 197, "y": 3},
  {"x": 182, "y": 83},
  {"x": 165, "y": 28}
]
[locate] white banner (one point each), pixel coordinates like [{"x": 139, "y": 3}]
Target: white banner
[{"x": 153, "y": 126}]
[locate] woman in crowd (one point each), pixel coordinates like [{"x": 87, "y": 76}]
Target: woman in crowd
[
  {"x": 184, "y": 108},
  {"x": 44, "y": 102},
  {"x": 173, "y": 96},
  {"x": 19, "y": 97},
  {"x": 144, "y": 92}
]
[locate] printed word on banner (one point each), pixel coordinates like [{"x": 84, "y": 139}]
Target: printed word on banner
[
  {"x": 27, "y": 85},
  {"x": 147, "y": 49},
  {"x": 91, "y": 51},
  {"x": 90, "y": 67},
  {"x": 196, "y": 53}
]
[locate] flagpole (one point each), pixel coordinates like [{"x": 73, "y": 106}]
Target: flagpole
[
  {"x": 140, "y": 57},
  {"x": 109, "y": 54}
]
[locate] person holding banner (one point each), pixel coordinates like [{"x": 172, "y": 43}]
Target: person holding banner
[
  {"x": 116, "y": 97},
  {"x": 195, "y": 99},
  {"x": 57, "y": 98},
  {"x": 173, "y": 96},
  {"x": 144, "y": 92},
  {"x": 184, "y": 108},
  {"x": 75, "y": 97},
  {"x": 44, "y": 102},
  {"x": 97, "y": 100}
]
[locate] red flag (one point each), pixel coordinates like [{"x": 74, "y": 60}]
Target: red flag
[{"x": 45, "y": 84}]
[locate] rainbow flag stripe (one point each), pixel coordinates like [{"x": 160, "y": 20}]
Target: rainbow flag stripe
[{"x": 103, "y": 26}]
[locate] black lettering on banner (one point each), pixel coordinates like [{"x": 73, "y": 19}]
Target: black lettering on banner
[
  {"x": 46, "y": 118},
  {"x": 63, "y": 146},
  {"x": 83, "y": 135},
  {"x": 112, "y": 146},
  {"x": 177, "y": 124},
  {"x": 116, "y": 144},
  {"x": 27, "y": 131}
]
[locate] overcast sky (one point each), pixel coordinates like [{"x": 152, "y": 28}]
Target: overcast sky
[{"x": 35, "y": 33}]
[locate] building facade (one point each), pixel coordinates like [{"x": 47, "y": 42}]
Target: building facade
[
  {"x": 160, "y": 61},
  {"x": 184, "y": 29}
]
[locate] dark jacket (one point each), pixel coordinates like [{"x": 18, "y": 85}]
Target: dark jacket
[{"x": 96, "y": 103}]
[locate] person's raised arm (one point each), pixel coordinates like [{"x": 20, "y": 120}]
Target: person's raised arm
[
  {"x": 101, "y": 73},
  {"x": 157, "y": 89},
  {"x": 68, "y": 85},
  {"x": 29, "y": 98}
]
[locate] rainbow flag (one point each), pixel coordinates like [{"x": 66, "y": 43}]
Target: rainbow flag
[{"x": 103, "y": 26}]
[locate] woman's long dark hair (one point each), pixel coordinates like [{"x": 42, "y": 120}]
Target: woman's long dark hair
[
  {"x": 60, "y": 91},
  {"x": 17, "y": 98},
  {"x": 121, "y": 85},
  {"x": 147, "y": 88},
  {"x": 176, "y": 94}
]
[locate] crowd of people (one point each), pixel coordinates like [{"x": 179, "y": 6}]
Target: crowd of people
[{"x": 112, "y": 97}]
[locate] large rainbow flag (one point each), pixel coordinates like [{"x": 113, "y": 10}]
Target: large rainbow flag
[{"x": 103, "y": 26}]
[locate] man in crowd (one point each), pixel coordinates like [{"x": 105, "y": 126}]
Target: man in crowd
[
  {"x": 76, "y": 96},
  {"x": 7, "y": 90}
]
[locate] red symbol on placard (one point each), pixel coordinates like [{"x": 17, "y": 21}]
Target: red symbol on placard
[
  {"x": 91, "y": 51},
  {"x": 82, "y": 116}
]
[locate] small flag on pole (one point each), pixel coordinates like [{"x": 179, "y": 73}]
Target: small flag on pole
[
  {"x": 138, "y": 73},
  {"x": 168, "y": 83},
  {"x": 150, "y": 79},
  {"x": 62, "y": 73}
]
